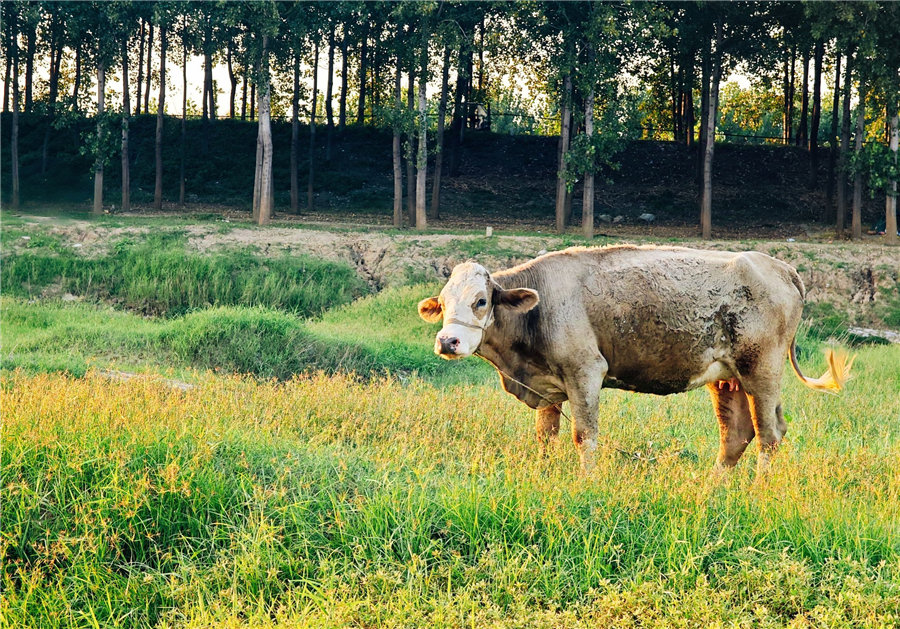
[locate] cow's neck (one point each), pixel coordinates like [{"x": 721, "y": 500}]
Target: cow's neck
[{"x": 514, "y": 346}]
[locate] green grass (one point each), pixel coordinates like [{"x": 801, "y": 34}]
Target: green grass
[
  {"x": 326, "y": 501},
  {"x": 379, "y": 334},
  {"x": 157, "y": 276},
  {"x": 407, "y": 493}
]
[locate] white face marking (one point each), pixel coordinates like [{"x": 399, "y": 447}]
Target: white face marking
[{"x": 466, "y": 299}]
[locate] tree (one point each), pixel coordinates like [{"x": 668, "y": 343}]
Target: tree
[
  {"x": 188, "y": 42},
  {"x": 162, "y": 18},
  {"x": 843, "y": 164},
  {"x": 53, "y": 31},
  {"x": 296, "y": 26},
  {"x": 834, "y": 140},
  {"x": 104, "y": 30},
  {"x": 856, "y": 217},
  {"x": 310, "y": 198},
  {"x": 710, "y": 133},
  {"x": 140, "y": 72},
  {"x": 422, "y": 157},
  {"x": 439, "y": 138},
  {"x": 329, "y": 88},
  {"x": 262, "y": 23},
  {"x": 890, "y": 222},
  {"x": 13, "y": 18},
  {"x": 149, "y": 65},
  {"x": 29, "y": 18},
  {"x": 816, "y": 113},
  {"x": 397, "y": 126},
  {"x": 126, "y": 30}
]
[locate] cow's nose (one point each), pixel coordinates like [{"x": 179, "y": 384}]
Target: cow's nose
[{"x": 449, "y": 344}]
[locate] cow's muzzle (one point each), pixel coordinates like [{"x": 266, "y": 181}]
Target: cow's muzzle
[{"x": 446, "y": 345}]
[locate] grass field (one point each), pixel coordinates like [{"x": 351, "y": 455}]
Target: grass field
[{"x": 411, "y": 493}]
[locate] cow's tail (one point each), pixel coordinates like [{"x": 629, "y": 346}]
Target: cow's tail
[{"x": 833, "y": 380}]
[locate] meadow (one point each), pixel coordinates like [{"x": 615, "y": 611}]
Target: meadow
[{"x": 324, "y": 469}]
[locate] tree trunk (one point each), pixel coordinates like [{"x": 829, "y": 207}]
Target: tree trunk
[
  {"x": 233, "y": 78},
  {"x": 841, "y": 217},
  {"x": 673, "y": 94},
  {"x": 422, "y": 157},
  {"x": 410, "y": 150},
  {"x": 126, "y": 115},
  {"x": 565, "y": 129},
  {"x": 161, "y": 107},
  {"x": 310, "y": 201},
  {"x": 890, "y": 220},
  {"x": 149, "y": 66},
  {"x": 342, "y": 116},
  {"x": 265, "y": 199},
  {"x": 481, "y": 56},
  {"x": 140, "y": 74},
  {"x": 706, "y": 198},
  {"x": 689, "y": 102},
  {"x": 802, "y": 134},
  {"x": 101, "y": 132},
  {"x": 252, "y": 100},
  {"x": 587, "y": 203},
  {"x": 6, "y": 90},
  {"x": 458, "y": 114},
  {"x": 30, "y": 46},
  {"x": 828, "y": 212},
  {"x": 704, "y": 110},
  {"x": 329, "y": 88},
  {"x": 181, "y": 184},
  {"x": 439, "y": 140},
  {"x": 77, "y": 82},
  {"x": 55, "y": 61},
  {"x": 398, "y": 170},
  {"x": 14, "y": 132},
  {"x": 295, "y": 137},
  {"x": 856, "y": 219},
  {"x": 209, "y": 104},
  {"x": 363, "y": 59},
  {"x": 244, "y": 98},
  {"x": 791, "y": 95},
  {"x": 816, "y": 116},
  {"x": 204, "y": 98},
  {"x": 785, "y": 115}
]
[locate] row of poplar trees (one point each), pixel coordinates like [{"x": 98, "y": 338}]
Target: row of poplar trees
[{"x": 577, "y": 54}]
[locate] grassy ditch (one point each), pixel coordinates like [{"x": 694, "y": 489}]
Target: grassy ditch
[
  {"x": 157, "y": 276},
  {"x": 380, "y": 334}
]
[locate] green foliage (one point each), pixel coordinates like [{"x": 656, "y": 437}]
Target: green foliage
[{"x": 877, "y": 164}]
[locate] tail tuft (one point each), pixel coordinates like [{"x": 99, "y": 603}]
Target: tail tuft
[{"x": 833, "y": 380}]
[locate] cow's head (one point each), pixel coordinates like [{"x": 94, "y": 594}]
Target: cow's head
[{"x": 468, "y": 303}]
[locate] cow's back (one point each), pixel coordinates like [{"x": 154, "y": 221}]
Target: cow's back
[{"x": 657, "y": 314}]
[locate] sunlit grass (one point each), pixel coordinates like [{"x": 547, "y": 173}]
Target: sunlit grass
[{"x": 327, "y": 501}]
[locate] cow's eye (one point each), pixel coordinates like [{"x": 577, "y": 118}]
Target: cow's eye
[{"x": 481, "y": 303}]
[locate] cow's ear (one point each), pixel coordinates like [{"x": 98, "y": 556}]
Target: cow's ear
[
  {"x": 518, "y": 299},
  {"x": 430, "y": 310}
]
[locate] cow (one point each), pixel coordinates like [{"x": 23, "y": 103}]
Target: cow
[{"x": 649, "y": 319}]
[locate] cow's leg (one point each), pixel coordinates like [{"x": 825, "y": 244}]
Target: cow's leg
[
  {"x": 547, "y": 424},
  {"x": 768, "y": 421},
  {"x": 735, "y": 424},
  {"x": 584, "y": 398}
]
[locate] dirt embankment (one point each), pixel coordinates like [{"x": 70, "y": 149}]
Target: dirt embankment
[{"x": 858, "y": 280}]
